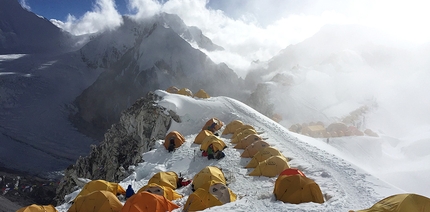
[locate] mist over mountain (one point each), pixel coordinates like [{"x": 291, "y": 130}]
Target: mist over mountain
[{"x": 141, "y": 57}]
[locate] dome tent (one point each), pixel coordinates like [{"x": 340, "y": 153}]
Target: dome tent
[
  {"x": 148, "y": 202},
  {"x": 164, "y": 191},
  {"x": 297, "y": 189},
  {"x": 101, "y": 185},
  {"x": 271, "y": 167},
  {"x": 97, "y": 201},
  {"x": 168, "y": 179},
  {"x": 232, "y": 127},
  {"x": 262, "y": 155},
  {"x": 177, "y": 137}
]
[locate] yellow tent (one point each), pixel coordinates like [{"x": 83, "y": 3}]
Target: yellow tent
[
  {"x": 297, "y": 189},
  {"x": 185, "y": 92},
  {"x": 97, "y": 201},
  {"x": 148, "y": 202},
  {"x": 207, "y": 174},
  {"x": 38, "y": 208},
  {"x": 165, "y": 191},
  {"x": 202, "y": 94},
  {"x": 242, "y": 128},
  {"x": 218, "y": 124},
  {"x": 401, "y": 203},
  {"x": 167, "y": 179},
  {"x": 252, "y": 149},
  {"x": 177, "y": 137},
  {"x": 101, "y": 185},
  {"x": 271, "y": 167},
  {"x": 262, "y": 155},
  {"x": 213, "y": 195},
  {"x": 216, "y": 142},
  {"x": 232, "y": 127},
  {"x": 172, "y": 89},
  {"x": 202, "y": 135},
  {"x": 248, "y": 140},
  {"x": 242, "y": 135}
]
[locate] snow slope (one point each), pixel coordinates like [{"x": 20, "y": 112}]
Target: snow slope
[{"x": 344, "y": 184}]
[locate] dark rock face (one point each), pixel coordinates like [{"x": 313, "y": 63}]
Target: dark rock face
[
  {"x": 157, "y": 58},
  {"x": 138, "y": 129}
]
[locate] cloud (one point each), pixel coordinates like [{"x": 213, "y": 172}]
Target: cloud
[
  {"x": 103, "y": 17},
  {"x": 143, "y": 8},
  {"x": 25, "y": 5}
]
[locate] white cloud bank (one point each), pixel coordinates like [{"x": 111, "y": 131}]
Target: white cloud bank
[{"x": 258, "y": 30}]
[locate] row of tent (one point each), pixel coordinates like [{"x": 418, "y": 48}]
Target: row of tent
[
  {"x": 407, "y": 202},
  {"x": 202, "y": 94}
]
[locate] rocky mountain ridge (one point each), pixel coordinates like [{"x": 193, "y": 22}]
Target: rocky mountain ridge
[{"x": 136, "y": 132}]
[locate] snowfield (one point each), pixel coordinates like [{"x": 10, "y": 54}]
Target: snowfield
[{"x": 345, "y": 186}]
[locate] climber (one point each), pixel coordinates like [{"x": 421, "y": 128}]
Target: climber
[
  {"x": 171, "y": 145},
  {"x": 129, "y": 192},
  {"x": 210, "y": 152}
]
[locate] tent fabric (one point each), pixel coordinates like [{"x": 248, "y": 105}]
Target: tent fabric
[
  {"x": 248, "y": 140},
  {"x": 202, "y": 135},
  {"x": 242, "y": 128},
  {"x": 166, "y": 179},
  {"x": 178, "y": 137},
  {"x": 232, "y": 127},
  {"x": 200, "y": 200},
  {"x": 217, "y": 143},
  {"x": 172, "y": 89},
  {"x": 148, "y": 202},
  {"x": 207, "y": 174},
  {"x": 101, "y": 185},
  {"x": 292, "y": 171},
  {"x": 401, "y": 203},
  {"x": 252, "y": 149},
  {"x": 165, "y": 191},
  {"x": 218, "y": 124},
  {"x": 185, "y": 92},
  {"x": 213, "y": 195},
  {"x": 38, "y": 208},
  {"x": 262, "y": 155},
  {"x": 220, "y": 191},
  {"x": 271, "y": 167},
  {"x": 97, "y": 201},
  {"x": 297, "y": 189},
  {"x": 242, "y": 135},
  {"x": 202, "y": 94}
]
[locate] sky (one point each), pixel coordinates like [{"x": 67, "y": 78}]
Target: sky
[
  {"x": 339, "y": 173},
  {"x": 249, "y": 30}
]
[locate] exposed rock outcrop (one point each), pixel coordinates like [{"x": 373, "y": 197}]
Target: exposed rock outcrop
[{"x": 138, "y": 129}]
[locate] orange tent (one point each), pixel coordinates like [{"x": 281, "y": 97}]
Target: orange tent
[
  {"x": 165, "y": 191},
  {"x": 292, "y": 171},
  {"x": 297, "y": 189},
  {"x": 202, "y": 135},
  {"x": 169, "y": 179},
  {"x": 176, "y": 136},
  {"x": 252, "y": 149},
  {"x": 248, "y": 140},
  {"x": 218, "y": 124},
  {"x": 97, "y": 201},
  {"x": 148, "y": 202},
  {"x": 242, "y": 135},
  {"x": 38, "y": 208},
  {"x": 232, "y": 127}
]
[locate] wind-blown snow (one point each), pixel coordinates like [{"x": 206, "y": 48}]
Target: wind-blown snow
[{"x": 344, "y": 184}]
